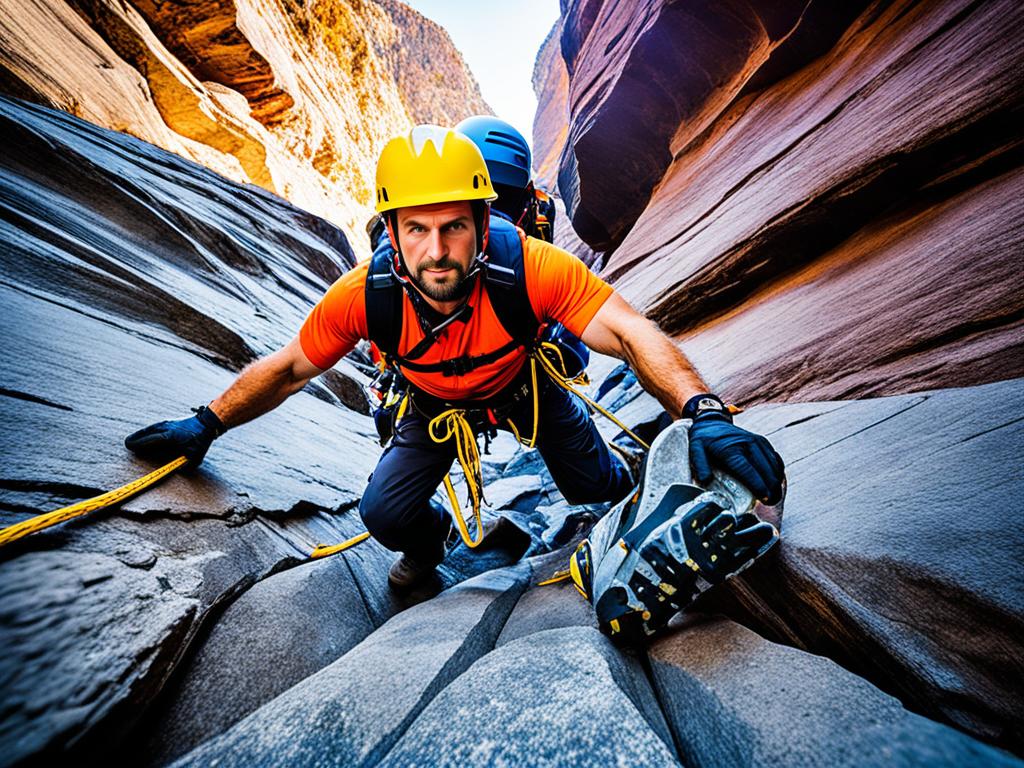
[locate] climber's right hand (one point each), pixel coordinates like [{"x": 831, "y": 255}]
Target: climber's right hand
[
  {"x": 167, "y": 440},
  {"x": 749, "y": 457}
]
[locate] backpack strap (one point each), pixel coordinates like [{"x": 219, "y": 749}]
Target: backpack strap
[
  {"x": 505, "y": 279},
  {"x": 506, "y": 282},
  {"x": 384, "y": 301}
]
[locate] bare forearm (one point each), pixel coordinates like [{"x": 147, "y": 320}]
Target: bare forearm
[
  {"x": 619, "y": 330},
  {"x": 260, "y": 388},
  {"x": 662, "y": 369}
]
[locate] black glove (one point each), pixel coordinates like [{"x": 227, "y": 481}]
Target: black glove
[
  {"x": 714, "y": 439},
  {"x": 168, "y": 440}
]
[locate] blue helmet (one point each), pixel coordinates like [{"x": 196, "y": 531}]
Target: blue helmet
[{"x": 504, "y": 149}]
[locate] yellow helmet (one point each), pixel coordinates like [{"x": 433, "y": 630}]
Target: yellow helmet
[{"x": 431, "y": 164}]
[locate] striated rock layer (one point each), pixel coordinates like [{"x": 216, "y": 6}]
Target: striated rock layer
[
  {"x": 295, "y": 97},
  {"x": 551, "y": 122},
  {"x": 818, "y": 202}
]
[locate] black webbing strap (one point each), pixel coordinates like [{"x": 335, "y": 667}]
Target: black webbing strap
[
  {"x": 505, "y": 276},
  {"x": 459, "y": 366},
  {"x": 383, "y": 293}
]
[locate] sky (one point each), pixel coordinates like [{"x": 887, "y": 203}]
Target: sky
[{"x": 499, "y": 40}]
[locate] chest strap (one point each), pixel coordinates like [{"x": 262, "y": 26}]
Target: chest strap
[{"x": 458, "y": 366}]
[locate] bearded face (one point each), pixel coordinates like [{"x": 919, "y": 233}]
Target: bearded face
[
  {"x": 440, "y": 280},
  {"x": 438, "y": 244}
]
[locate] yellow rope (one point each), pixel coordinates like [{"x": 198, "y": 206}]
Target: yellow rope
[
  {"x": 561, "y": 378},
  {"x": 455, "y": 423},
  {"x": 556, "y": 578},
  {"x": 402, "y": 408},
  {"x": 40, "y": 522},
  {"x": 322, "y": 550}
]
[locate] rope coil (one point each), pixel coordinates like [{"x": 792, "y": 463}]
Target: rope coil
[{"x": 455, "y": 423}]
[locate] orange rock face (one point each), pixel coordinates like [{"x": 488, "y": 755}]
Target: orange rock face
[
  {"x": 551, "y": 123},
  {"x": 818, "y": 204},
  {"x": 297, "y": 97}
]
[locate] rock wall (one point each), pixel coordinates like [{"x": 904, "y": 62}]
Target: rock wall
[
  {"x": 190, "y": 626},
  {"x": 817, "y": 200},
  {"x": 295, "y": 97},
  {"x": 551, "y": 123},
  {"x": 136, "y": 284}
]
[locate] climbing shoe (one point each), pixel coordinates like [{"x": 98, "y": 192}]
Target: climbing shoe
[
  {"x": 657, "y": 550},
  {"x": 405, "y": 573}
]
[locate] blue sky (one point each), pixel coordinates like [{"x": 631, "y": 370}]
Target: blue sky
[{"x": 499, "y": 40}]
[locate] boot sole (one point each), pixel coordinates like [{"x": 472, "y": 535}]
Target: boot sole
[{"x": 667, "y": 567}]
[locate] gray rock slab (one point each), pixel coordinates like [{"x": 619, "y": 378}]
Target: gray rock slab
[
  {"x": 353, "y": 711},
  {"x": 551, "y": 606},
  {"x": 148, "y": 588},
  {"x": 520, "y": 493},
  {"x": 734, "y": 698},
  {"x": 901, "y": 549},
  {"x": 280, "y": 631},
  {"x": 557, "y": 697},
  {"x": 80, "y": 631}
]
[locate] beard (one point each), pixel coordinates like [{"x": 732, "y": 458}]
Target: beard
[{"x": 447, "y": 288}]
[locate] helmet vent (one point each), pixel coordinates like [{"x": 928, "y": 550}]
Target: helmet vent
[
  {"x": 504, "y": 140},
  {"x": 476, "y": 181},
  {"x": 384, "y": 192}
]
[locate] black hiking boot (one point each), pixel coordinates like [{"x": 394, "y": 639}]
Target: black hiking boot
[
  {"x": 405, "y": 573},
  {"x": 656, "y": 551}
]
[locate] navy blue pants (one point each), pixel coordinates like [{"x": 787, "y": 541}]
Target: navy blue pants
[{"x": 396, "y": 506}]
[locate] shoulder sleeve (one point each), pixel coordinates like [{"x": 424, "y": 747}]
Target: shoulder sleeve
[
  {"x": 561, "y": 287},
  {"x": 338, "y": 321}
]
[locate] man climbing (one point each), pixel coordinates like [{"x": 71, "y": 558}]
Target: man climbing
[{"x": 456, "y": 304}]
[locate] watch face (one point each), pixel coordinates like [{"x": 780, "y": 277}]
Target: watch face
[{"x": 707, "y": 404}]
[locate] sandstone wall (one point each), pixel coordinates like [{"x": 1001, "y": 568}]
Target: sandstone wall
[
  {"x": 818, "y": 201},
  {"x": 295, "y": 97}
]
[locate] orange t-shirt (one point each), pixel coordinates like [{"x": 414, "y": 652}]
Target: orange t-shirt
[{"x": 560, "y": 286}]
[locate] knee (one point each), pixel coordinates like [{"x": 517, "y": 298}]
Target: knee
[
  {"x": 379, "y": 515},
  {"x": 608, "y": 482}
]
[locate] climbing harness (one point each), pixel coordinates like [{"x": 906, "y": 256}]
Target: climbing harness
[
  {"x": 125, "y": 492},
  {"x": 455, "y": 422}
]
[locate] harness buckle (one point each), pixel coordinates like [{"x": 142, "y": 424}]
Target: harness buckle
[{"x": 457, "y": 366}]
